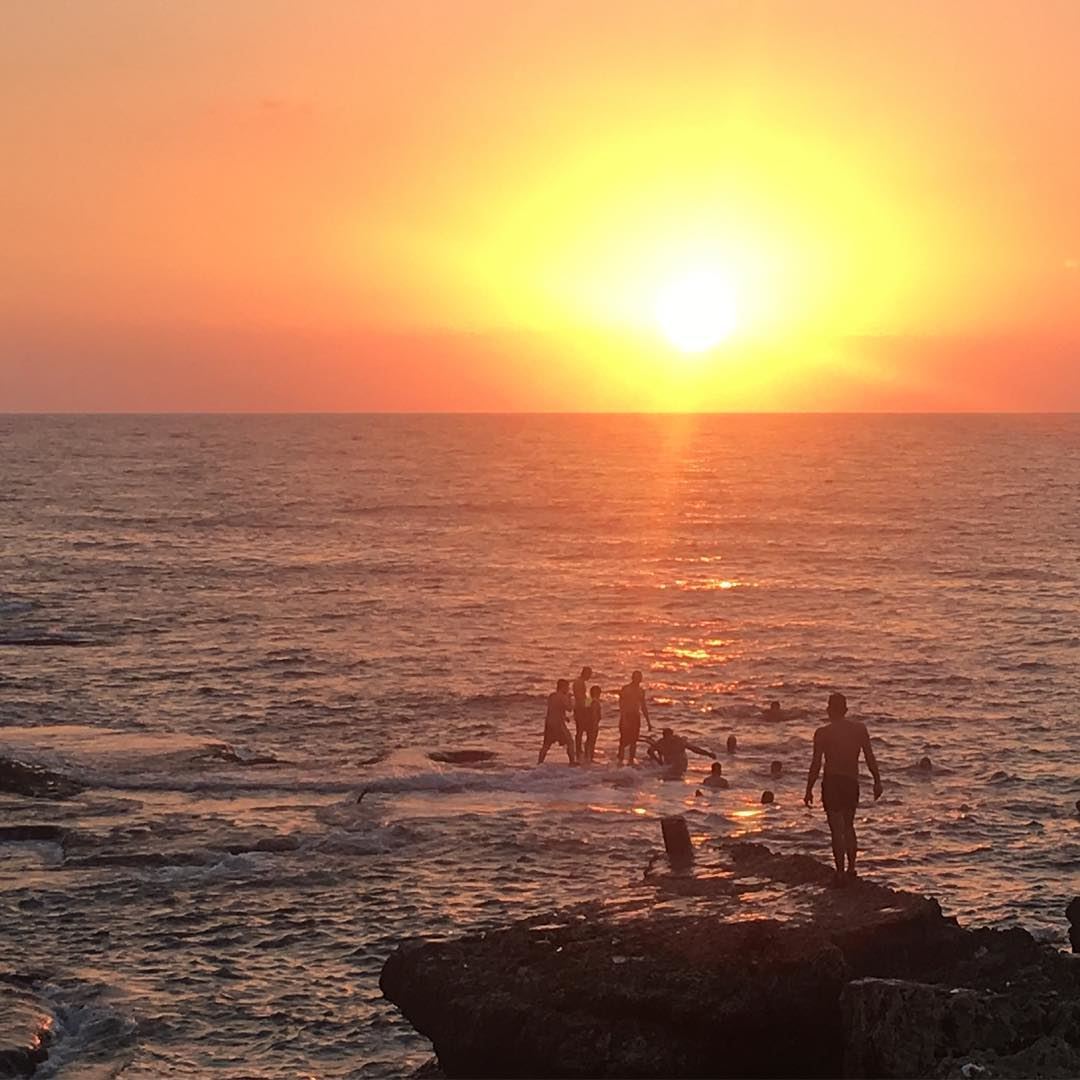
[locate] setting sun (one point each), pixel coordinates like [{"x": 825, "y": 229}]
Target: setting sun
[{"x": 697, "y": 311}]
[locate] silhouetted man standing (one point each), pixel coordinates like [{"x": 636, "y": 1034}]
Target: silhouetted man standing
[
  {"x": 582, "y": 709},
  {"x": 632, "y": 706},
  {"x": 555, "y": 729},
  {"x": 840, "y": 742}
]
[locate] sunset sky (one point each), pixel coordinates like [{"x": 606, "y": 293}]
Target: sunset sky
[{"x": 588, "y": 205}]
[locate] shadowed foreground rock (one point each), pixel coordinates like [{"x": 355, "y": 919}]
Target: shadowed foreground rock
[
  {"x": 756, "y": 969},
  {"x": 25, "y": 1031}
]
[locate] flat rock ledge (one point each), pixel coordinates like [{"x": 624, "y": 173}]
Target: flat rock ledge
[{"x": 754, "y": 967}]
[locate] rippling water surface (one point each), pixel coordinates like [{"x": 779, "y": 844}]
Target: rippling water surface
[{"x": 228, "y": 627}]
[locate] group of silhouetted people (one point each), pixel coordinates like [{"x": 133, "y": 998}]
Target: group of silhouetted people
[
  {"x": 585, "y": 704},
  {"x": 837, "y": 745}
]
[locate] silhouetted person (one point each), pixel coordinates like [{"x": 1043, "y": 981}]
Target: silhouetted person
[
  {"x": 773, "y": 712},
  {"x": 632, "y": 706},
  {"x": 672, "y": 750},
  {"x": 767, "y": 798},
  {"x": 776, "y": 769},
  {"x": 926, "y": 765},
  {"x": 592, "y": 723},
  {"x": 716, "y": 778},
  {"x": 653, "y": 752},
  {"x": 840, "y": 742},
  {"x": 732, "y": 744},
  {"x": 581, "y": 708},
  {"x": 555, "y": 729}
]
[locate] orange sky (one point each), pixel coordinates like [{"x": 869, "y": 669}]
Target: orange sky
[{"x": 248, "y": 204}]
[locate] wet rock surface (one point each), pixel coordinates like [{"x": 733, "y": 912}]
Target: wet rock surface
[
  {"x": 463, "y": 757},
  {"x": 35, "y": 781},
  {"x": 755, "y": 966},
  {"x": 25, "y": 1030}
]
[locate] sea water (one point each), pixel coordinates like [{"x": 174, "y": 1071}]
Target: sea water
[{"x": 229, "y": 627}]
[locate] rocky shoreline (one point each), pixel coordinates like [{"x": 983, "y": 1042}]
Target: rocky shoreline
[
  {"x": 35, "y": 781},
  {"x": 753, "y": 966},
  {"x": 26, "y": 1028}
]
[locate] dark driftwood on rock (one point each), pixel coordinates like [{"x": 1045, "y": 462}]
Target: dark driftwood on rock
[{"x": 768, "y": 973}]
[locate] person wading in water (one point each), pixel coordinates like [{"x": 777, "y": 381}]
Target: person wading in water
[
  {"x": 840, "y": 742},
  {"x": 632, "y": 707}
]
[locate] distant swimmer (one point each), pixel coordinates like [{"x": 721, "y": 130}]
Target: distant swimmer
[
  {"x": 773, "y": 712},
  {"x": 592, "y": 728},
  {"x": 776, "y": 769},
  {"x": 555, "y": 729},
  {"x": 581, "y": 708},
  {"x": 925, "y": 765},
  {"x": 840, "y": 742},
  {"x": 672, "y": 750},
  {"x": 632, "y": 707},
  {"x": 732, "y": 744},
  {"x": 767, "y": 798},
  {"x": 716, "y": 778}
]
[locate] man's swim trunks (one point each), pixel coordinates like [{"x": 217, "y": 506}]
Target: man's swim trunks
[
  {"x": 839, "y": 793},
  {"x": 556, "y": 731},
  {"x": 629, "y": 729}
]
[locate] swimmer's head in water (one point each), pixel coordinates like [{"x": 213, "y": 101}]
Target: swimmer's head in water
[
  {"x": 925, "y": 763},
  {"x": 562, "y": 684},
  {"x": 774, "y": 706},
  {"x": 732, "y": 742},
  {"x": 717, "y": 768},
  {"x": 636, "y": 677},
  {"x": 776, "y": 768},
  {"x": 586, "y": 672},
  {"x": 667, "y": 732},
  {"x": 767, "y": 797},
  {"x": 837, "y": 705}
]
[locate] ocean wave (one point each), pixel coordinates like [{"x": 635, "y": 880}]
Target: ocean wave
[
  {"x": 92, "y": 1038},
  {"x": 46, "y": 641},
  {"x": 374, "y": 840},
  {"x": 13, "y": 606}
]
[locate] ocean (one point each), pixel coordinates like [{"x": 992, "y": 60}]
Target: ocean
[{"x": 230, "y": 626}]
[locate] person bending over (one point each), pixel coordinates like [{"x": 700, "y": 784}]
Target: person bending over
[
  {"x": 672, "y": 749},
  {"x": 840, "y": 742}
]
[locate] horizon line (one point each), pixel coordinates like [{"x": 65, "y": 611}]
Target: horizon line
[{"x": 536, "y": 412}]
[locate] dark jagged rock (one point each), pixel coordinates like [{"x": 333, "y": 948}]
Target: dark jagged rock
[
  {"x": 899, "y": 1028},
  {"x": 35, "y": 781},
  {"x": 604, "y": 1000},
  {"x": 774, "y": 974},
  {"x": 26, "y": 1027},
  {"x": 21, "y": 833},
  {"x": 462, "y": 757}
]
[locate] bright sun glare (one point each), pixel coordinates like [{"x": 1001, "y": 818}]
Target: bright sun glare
[{"x": 697, "y": 311}]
